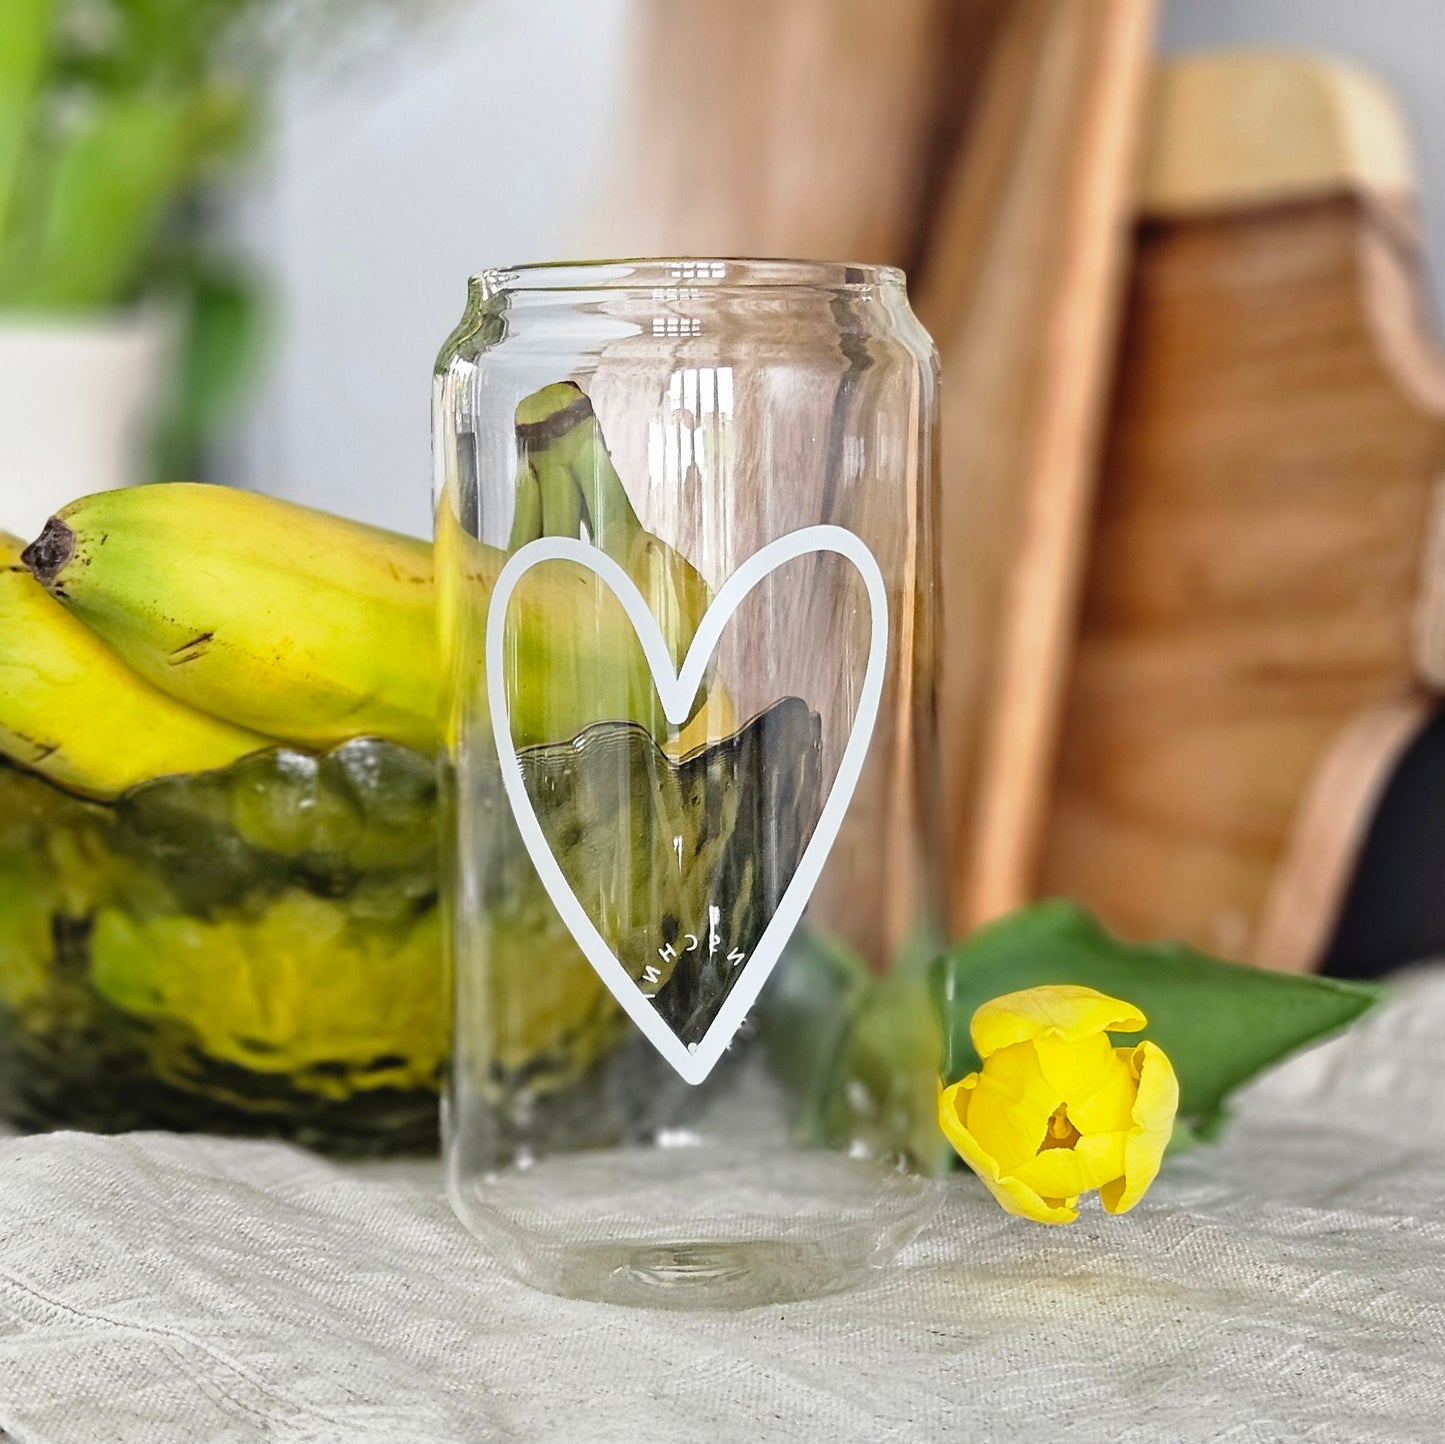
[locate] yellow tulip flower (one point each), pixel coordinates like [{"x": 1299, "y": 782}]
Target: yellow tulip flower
[{"x": 1058, "y": 1110}]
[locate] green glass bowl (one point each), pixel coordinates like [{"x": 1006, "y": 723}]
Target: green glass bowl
[
  {"x": 254, "y": 951},
  {"x": 259, "y": 950}
]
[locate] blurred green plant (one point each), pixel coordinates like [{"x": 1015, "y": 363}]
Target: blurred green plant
[
  {"x": 111, "y": 116},
  {"x": 116, "y": 118}
]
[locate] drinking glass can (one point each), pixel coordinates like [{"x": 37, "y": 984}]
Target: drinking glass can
[{"x": 686, "y": 577}]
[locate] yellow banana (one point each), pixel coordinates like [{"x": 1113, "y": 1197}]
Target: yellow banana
[
  {"x": 565, "y": 463},
  {"x": 577, "y": 659},
  {"x": 269, "y": 614},
  {"x": 527, "y": 517},
  {"x": 715, "y": 719},
  {"x": 72, "y": 711},
  {"x": 560, "y": 440},
  {"x": 316, "y": 629}
]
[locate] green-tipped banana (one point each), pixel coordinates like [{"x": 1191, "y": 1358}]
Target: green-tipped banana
[
  {"x": 314, "y": 629},
  {"x": 271, "y": 615},
  {"x": 576, "y": 657},
  {"x": 561, "y": 444},
  {"x": 71, "y": 710},
  {"x": 567, "y": 480},
  {"x": 317, "y": 630}
]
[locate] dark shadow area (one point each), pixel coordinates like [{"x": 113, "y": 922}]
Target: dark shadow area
[{"x": 1394, "y": 911}]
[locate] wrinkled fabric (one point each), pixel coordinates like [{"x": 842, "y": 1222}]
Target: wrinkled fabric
[{"x": 1288, "y": 1283}]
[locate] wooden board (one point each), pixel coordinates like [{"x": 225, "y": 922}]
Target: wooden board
[
  {"x": 762, "y": 129},
  {"x": 987, "y": 146},
  {"x": 1252, "y": 637},
  {"x": 1020, "y": 290}
]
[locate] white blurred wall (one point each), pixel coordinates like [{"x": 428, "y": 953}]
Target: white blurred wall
[
  {"x": 475, "y": 145},
  {"x": 472, "y": 144}
]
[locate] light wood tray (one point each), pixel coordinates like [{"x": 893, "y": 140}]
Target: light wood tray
[{"x": 1261, "y": 620}]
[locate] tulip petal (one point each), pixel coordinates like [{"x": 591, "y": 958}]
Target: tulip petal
[
  {"x": 1009, "y": 1110},
  {"x": 1092, "y": 1079},
  {"x": 1093, "y": 1161},
  {"x": 1067, "y": 1011},
  {"x": 1104, "y": 1100},
  {"x": 1154, "y": 1110},
  {"x": 954, "y": 1105}
]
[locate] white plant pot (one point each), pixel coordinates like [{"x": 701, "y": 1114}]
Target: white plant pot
[{"x": 78, "y": 400}]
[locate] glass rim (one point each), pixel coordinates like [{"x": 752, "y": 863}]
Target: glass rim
[{"x": 652, "y": 273}]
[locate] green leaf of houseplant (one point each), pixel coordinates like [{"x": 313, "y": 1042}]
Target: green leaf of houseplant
[
  {"x": 26, "y": 28},
  {"x": 225, "y": 319},
  {"x": 1220, "y": 1023},
  {"x": 111, "y": 183}
]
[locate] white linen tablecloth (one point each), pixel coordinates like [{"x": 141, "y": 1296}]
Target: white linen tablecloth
[{"x": 1286, "y": 1284}]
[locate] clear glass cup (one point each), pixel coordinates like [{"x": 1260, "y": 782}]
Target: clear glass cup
[{"x": 686, "y": 562}]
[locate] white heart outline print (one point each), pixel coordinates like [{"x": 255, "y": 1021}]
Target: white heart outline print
[{"x": 676, "y": 690}]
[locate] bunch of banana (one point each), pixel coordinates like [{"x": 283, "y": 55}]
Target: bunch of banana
[
  {"x": 566, "y": 482},
  {"x": 201, "y": 622},
  {"x": 575, "y": 656},
  {"x": 277, "y": 618},
  {"x": 67, "y": 701}
]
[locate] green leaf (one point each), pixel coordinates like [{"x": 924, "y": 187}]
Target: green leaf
[
  {"x": 859, "y": 1053},
  {"x": 225, "y": 334},
  {"x": 891, "y": 1078},
  {"x": 114, "y": 182},
  {"x": 806, "y": 1014},
  {"x": 26, "y": 28},
  {"x": 1220, "y": 1023},
  {"x": 111, "y": 185}
]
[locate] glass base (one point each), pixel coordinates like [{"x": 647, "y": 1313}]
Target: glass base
[{"x": 691, "y": 1226}]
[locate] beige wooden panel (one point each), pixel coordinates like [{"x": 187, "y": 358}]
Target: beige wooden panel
[{"x": 1246, "y": 672}]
